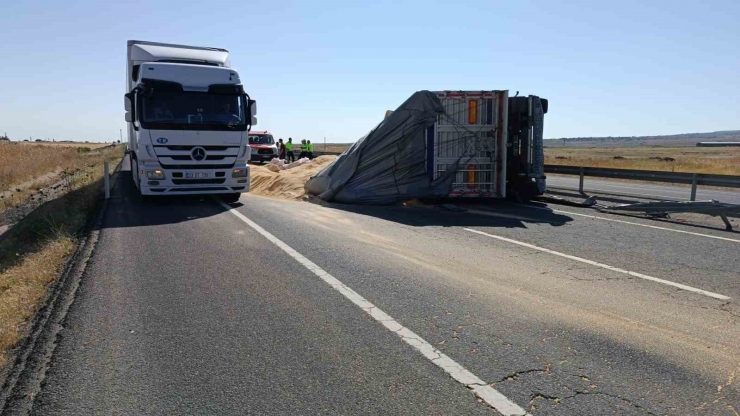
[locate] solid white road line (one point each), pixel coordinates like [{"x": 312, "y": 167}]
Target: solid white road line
[
  {"x": 605, "y": 266},
  {"x": 605, "y": 190},
  {"x": 637, "y": 223},
  {"x": 479, "y": 387}
]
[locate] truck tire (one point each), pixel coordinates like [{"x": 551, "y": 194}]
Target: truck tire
[
  {"x": 231, "y": 198},
  {"x": 134, "y": 171}
]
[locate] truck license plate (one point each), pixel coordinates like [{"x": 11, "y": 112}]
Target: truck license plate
[{"x": 196, "y": 175}]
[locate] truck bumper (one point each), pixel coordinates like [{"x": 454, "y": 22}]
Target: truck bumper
[
  {"x": 254, "y": 157},
  {"x": 175, "y": 182}
]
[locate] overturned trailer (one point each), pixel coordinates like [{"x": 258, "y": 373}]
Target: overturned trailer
[{"x": 443, "y": 144}]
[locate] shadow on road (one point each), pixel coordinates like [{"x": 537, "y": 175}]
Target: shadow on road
[
  {"x": 458, "y": 213},
  {"x": 128, "y": 209}
]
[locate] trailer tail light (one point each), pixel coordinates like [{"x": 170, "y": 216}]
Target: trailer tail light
[
  {"x": 471, "y": 176},
  {"x": 472, "y": 111}
]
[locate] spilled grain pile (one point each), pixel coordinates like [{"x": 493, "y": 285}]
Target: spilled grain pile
[{"x": 286, "y": 184}]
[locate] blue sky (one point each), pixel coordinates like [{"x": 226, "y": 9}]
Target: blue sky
[{"x": 330, "y": 69}]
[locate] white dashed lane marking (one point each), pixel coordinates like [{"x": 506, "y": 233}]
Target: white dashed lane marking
[{"x": 479, "y": 387}]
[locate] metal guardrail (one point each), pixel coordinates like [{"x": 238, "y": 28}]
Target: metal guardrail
[{"x": 693, "y": 179}]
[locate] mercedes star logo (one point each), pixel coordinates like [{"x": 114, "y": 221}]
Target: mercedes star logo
[{"x": 198, "y": 153}]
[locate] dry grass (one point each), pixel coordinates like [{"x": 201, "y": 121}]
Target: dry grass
[
  {"x": 66, "y": 144},
  {"x": 332, "y": 147},
  {"x": 24, "y": 286},
  {"x": 717, "y": 160},
  {"x": 34, "y": 250},
  {"x": 19, "y": 162}
]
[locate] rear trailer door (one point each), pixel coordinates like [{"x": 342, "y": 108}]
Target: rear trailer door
[{"x": 470, "y": 139}]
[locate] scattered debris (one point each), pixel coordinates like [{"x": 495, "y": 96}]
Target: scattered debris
[
  {"x": 664, "y": 208},
  {"x": 587, "y": 203},
  {"x": 277, "y": 165}
]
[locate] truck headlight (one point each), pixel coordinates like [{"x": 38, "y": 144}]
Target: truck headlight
[
  {"x": 239, "y": 173},
  {"x": 155, "y": 174}
]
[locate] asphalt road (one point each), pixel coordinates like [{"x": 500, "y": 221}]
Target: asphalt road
[
  {"x": 187, "y": 308},
  {"x": 646, "y": 190}
]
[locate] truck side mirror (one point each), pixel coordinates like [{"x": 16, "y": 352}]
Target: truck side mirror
[
  {"x": 252, "y": 106},
  {"x": 129, "y": 101}
]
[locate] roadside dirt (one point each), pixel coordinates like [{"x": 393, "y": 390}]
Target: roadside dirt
[{"x": 286, "y": 184}]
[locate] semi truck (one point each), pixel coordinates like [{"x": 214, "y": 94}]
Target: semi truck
[
  {"x": 188, "y": 121},
  {"x": 498, "y": 138}
]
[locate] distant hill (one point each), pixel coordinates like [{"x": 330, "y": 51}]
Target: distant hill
[{"x": 687, "y": 139}]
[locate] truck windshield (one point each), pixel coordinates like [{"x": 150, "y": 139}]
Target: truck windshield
[
  {"x": 171, "y": 110},
  {"x": 261, "y": 140}
]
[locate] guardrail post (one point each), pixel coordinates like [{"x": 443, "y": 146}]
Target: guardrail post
[
  {"x": 580, "y": 184},
  {"x": 106, "y": 180},
  {"x": 693, "y": 187}
]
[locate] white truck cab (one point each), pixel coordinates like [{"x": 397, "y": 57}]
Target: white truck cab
[{"x": 189, "y": 119}]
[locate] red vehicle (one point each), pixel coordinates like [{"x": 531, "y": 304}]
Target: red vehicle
[{"x": 263, "y": 146}]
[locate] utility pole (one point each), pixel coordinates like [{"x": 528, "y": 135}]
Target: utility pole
[{"x": 120, "y": 131}]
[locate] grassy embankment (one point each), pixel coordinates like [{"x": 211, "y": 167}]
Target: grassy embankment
[
  {"x": 34, "y": 250},
  {"x": 92, "y": 146},
  {"x": 716, "y": 160},
  {"x": 26, "y": 167}
]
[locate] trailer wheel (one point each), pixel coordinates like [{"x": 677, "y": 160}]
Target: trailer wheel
[{"x": 522, "y": 192}]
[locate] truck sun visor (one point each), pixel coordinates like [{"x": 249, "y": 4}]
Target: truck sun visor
[
  {"x": 160, "y": 86},
  {"x": 226, "y": 89}
]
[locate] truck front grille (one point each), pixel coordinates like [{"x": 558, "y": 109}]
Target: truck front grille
[
  {"x": 188, "y": 157},
  {"x": 196, "y": 166},
  {"x": 190, "y": 147}
]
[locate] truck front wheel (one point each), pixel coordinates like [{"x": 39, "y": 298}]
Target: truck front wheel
[
  {"x": 231, "y": 198},
  {"x": 135, "y": 172}
]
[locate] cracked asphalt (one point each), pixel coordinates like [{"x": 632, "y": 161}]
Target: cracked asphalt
[{"x": 184, "y": 309}]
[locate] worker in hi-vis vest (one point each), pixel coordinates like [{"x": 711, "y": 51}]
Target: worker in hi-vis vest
[
  {"x": 304, "y": 150},
  {"x": 289, "y": 151},
  {"x": 309, "y": 149}
]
